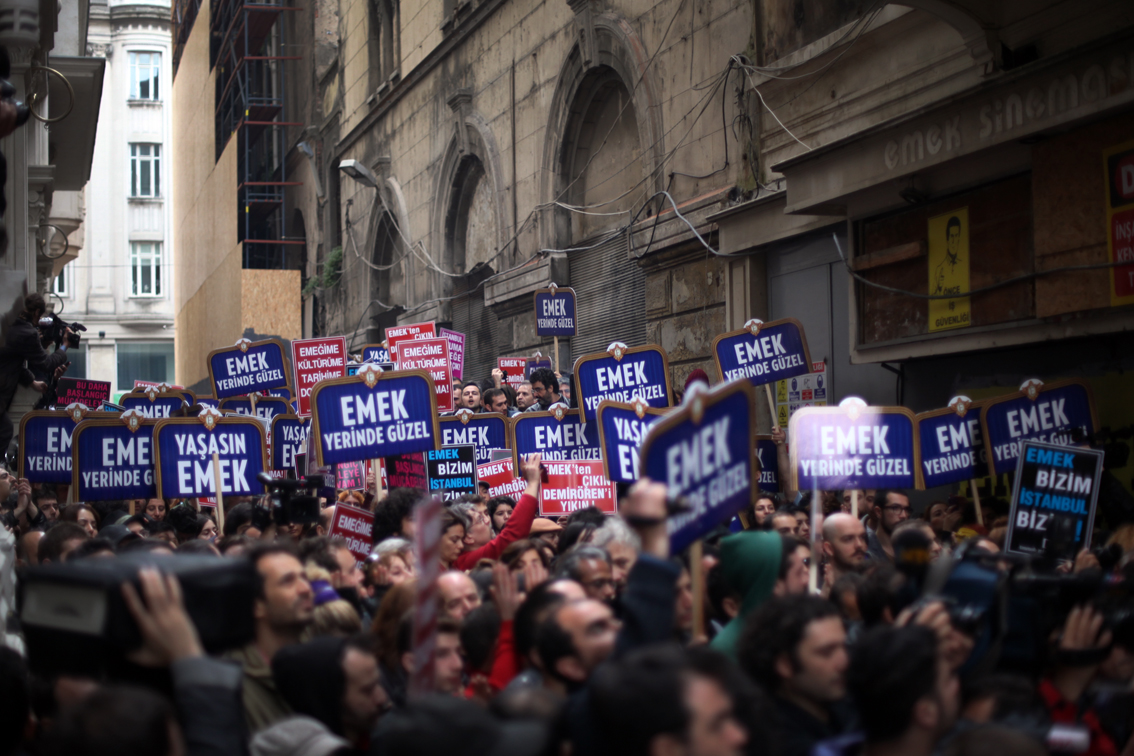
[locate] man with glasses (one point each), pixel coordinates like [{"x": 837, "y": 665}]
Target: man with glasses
[
  {"x": 891, "y": 506},
  {"x": 589, "y": 566}
]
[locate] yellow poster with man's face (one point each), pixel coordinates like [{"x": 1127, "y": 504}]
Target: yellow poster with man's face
[{"x": 949, "y": 270}]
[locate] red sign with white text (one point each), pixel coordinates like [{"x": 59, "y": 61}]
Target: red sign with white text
[
  {"x": 513, "y": 368},
  {"x": 431, "y": 355},
  {"x": 398, "y": 334},
  {"x": 576, "y": 485},
  {"x": 316, "y": 360},
  {"x": 356, "y": 527},
  {"x": 501, "y": 479}
]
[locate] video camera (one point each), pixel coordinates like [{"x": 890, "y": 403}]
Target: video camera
[
  {"x": 75, "y": 620},
  {"x": 1008, "y": 607},
  {"x": 288, "y": 505},
  {"x": 54, "y": 330}
]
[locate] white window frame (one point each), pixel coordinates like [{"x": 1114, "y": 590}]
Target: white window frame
[
  {"x": 152, "y": 67},
  {"x": 150, "y": 163},
  {"x": 153, "y": 258},
  {"x": 64, "y": 277}
]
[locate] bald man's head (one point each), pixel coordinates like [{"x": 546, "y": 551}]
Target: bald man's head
[{"x": 844, "y": 541}]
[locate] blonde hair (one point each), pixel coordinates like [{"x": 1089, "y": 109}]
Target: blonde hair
[{"x": 336, "y": 617}]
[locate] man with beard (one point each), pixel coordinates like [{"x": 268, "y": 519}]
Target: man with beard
[
  {"x": 795, "y": 647},
  {"x": 282, "y": 611},
  {"x": 844, "y": 543},
  {"x": 891, "y": 506}
]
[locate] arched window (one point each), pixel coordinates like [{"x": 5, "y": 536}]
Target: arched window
[
  {"x": 383, "y": 41},
  {"x": 387, "y": 277},
  {"x": 471, "y": 245},
  {"x": 602, "y": 167}
]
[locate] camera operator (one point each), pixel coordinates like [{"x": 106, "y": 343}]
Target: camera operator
[{"x": 23, "y": 357}]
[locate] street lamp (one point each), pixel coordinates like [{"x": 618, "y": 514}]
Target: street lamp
[{"x": 359, "y": 173}]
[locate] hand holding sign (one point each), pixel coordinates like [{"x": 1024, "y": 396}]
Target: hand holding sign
[{"x": 644, "y": 509}]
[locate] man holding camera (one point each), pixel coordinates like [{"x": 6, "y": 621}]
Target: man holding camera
[{"x": 23, "y": 357}]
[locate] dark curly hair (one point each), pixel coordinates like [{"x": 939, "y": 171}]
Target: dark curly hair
[
  {"x": 390, "y": 512},
  {"x": 776, "y": 628}
]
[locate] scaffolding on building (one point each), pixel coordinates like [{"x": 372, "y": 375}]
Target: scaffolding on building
[{"x": 247, "y": 40}]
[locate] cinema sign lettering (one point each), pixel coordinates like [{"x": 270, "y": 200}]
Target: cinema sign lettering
[{"x": 1037, "y": 102}]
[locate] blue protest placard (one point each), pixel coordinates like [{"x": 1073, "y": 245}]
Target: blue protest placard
[
  {"x": 853, "y": 446},
  {"x": 375, "y": 353},
  {"x": 535, "y": 363},
  {"x": 153, "y": 404},
  {"x": 374, "y": 414},
  {"x": 621, "y": 373},
  {"x": 267, "y": 407},
  {"x": 558, "y": 434},
  {"x": 555, "y": 311},
  {"x": 705, "y": 452},
  {"x": 248, "y": 367},
  {"x": 762, "y": 352},
  {"x": 950, "y": 444},
  {"x": 486, "y": 431},
  {"x": 114, "y": 459},
  {"x": 1061, "y": 413},
  {"x": 767, "y": 456},
  {"x": 1053, "y": 500},
  {"x": 622, "y": 428},
  {"x": 184, "y": 455},
  {"x": 45, "y": 443},
  {"x": 288, "y": 434}
]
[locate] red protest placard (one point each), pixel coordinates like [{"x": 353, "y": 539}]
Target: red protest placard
[
  {"x": 398, "y": 334},
  {"x": 456, "y": 351},
  {"x": 356, "y": 527},
  {"x": 77, "y": 390},
  {"x": 501, "y": 479},
  {"x": 316, "y": 360},
  {"x": 513, "y": 368},
  {"x": 576, "y": 485},
  {"x": 431, "y": 355},
  {"x": 405, "y": 471}
]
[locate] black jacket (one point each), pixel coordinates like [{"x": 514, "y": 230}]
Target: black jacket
[
  {"x": 21, "y": 358},
  {"x": 647, "y": 618}
]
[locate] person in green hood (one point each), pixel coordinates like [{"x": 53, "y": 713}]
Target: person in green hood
[{"x": 751, "y": 561}]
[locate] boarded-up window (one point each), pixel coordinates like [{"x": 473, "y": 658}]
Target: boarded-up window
[
  {"x": 1000, "y": 248},
  {"x": 485, "y": 334}
]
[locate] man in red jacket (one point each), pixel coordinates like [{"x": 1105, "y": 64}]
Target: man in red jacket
[{"x": 519, "y": 525}]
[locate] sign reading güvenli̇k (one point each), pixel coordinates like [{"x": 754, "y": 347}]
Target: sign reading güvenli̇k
[
  {"x": 853, "y": 446},
  {"x": 373, "y": 414}
]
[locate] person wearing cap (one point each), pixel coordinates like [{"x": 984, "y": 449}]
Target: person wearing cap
[
  {"x": 547, "y": 530},
  {"x": 118, "y": 535},
  {"x": 336, "y": 682}
]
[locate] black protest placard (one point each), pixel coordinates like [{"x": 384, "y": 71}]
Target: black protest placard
[
  {"x": 406, "y": 471},
  {"x": 451, "y": 470},
  {"x": 90, "y": 394},
  {"x": 1053, "y": 501}
]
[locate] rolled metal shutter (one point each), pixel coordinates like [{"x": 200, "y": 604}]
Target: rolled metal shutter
[
  {"x": 483, "y": 331},
  {"x": 610, "y": 291}
]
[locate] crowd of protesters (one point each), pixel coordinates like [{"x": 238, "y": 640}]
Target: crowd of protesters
[{"x": 555, "y": 635}]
